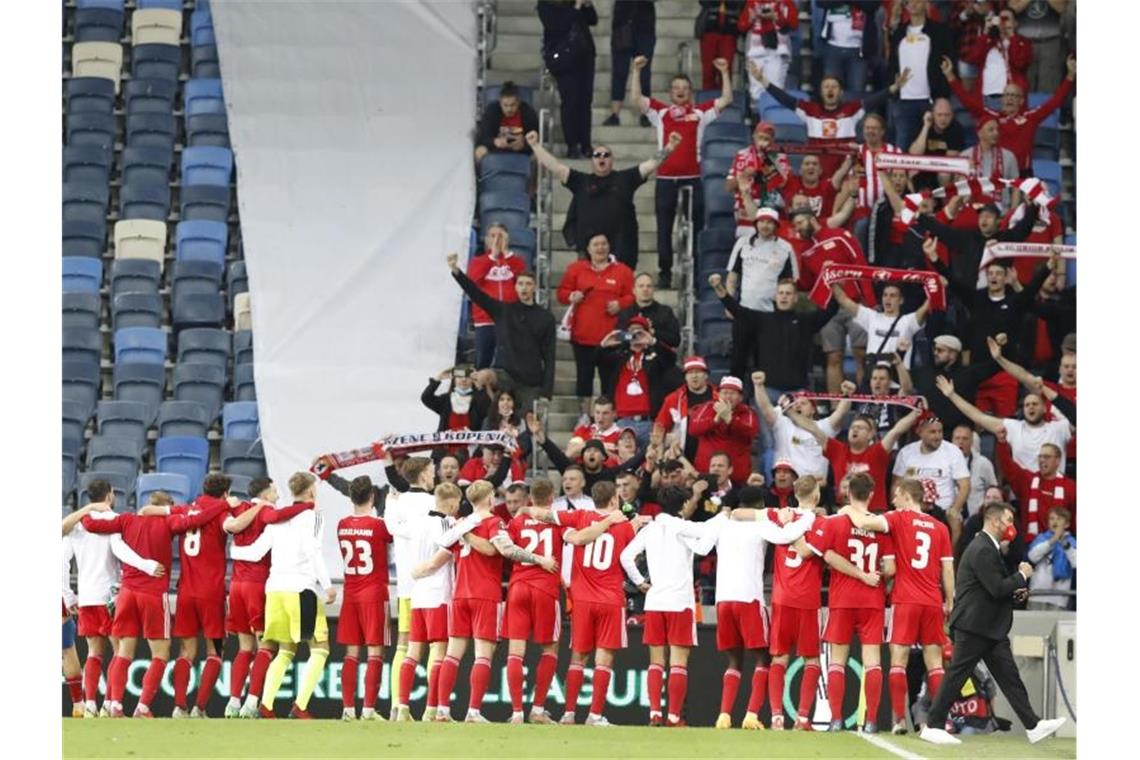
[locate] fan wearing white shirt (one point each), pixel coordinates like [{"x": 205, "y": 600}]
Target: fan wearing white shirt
[
  {"x": 937, "y": 460},
  {"x": 886, "y": 328},
  {"x": 792, "y": 443}
]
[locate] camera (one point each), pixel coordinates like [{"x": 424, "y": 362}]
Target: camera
[
  {"x": 711, "y": 481},
  {"x": 625, "y": 336},
  {"x": 993, "y": 26}
]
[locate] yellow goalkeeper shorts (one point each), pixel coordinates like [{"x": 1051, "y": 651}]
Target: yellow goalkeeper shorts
[
  {"x": 292, "y": 617},
  {"x": 404, "y": 616}
]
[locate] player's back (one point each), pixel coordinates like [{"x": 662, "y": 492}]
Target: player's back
[
  {"x": 797, "y": 581},
  {"x": 740, "y": 562},
  {"x": 669, "y": 560},
  {"x": 95, "y": 563},
  {"x": 203, "y": 551},
  {"x": 423, "y": 534},
  {"x": 253, "y": 572},
  {"x": 862, "y": 548},
  {"x": 477, "y": 575},
  {"x": 363, "y": 541},
  {"x": 542, "y": 539},
  {"x": 920, "y": 544},
  {"x": 598, "y": 577},
  {"x": 400, "y": 510},
  {"x": 151, "y": 538}
]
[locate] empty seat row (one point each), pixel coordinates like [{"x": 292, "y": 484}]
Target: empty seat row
[
  {"x": 148, "y": 345},
  {"x": 93, "y": 162},
  {"x": 146, "y": 129},
  {"x": 87, "y": 201},
  {"x": 194, "y": 240},
  {"x": 132, "y": 419},
  {"x": 143, "y": 275}
]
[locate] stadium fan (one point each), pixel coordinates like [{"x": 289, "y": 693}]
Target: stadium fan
[
  {"x": 849, "y": 37},
  {"x": 635, "y": 489},
  {"x": 594, "y": 457},
  {"x": 757, "y": 174},
  {"x": 677, "y": 406},
  {"x": 939, "y": 463},
  {"x": 1001, "y": 55},
  {"x": 494, "y": 270},
  {"x": 632, "y": 33},
  {"x": 642, "y": 372},
  {"x": 941, "y": 135},
  {"x": 574, "y": 494},
  {"x": 782, "y": 492},
  {"x": 666, "y": 328},
  {"x": 603, "y": 428},
  {"x": 503, "y": 124},
  {"x": 716, "y": 29},
  {"x": 982, "y": 475},
  {"x": 1039, "y": 488},
  {"x": 568, "y": 50},
  {"x": 758, "y": 261},
  {"x": 712, "y": 492},
  {"x": 768, "y": 25},
  {"x": 792, "y": 445},
  {"x": 1053, "y": 554},
  {"x": 824, "y": 196},
  {"x": 464, "y": 407},
  {"x": 919, "y": 45},
  {"x": 887, "y": 327},
  {"x": 726, "y": 425},
  {"x": 881, "y": 382}
]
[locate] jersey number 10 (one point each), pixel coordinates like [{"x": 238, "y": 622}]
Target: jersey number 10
[{"x": 599, "y": 554}]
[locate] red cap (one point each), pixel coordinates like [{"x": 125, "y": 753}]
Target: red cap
[
  {"x": 695, "y": 362},
  {"x": 728, "y": 381},
  {"x": 639, "y": 320}
]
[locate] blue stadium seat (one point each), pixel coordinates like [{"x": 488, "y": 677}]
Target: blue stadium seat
[
  {"x": 511, "y": 209},
  {"x": 120, "y": 483},
  {"x": 184, "y": 455},
  {"x": 241, "y": 457},
  {"x": 145, "y": 200},
  {"x": 75, "y": 417},
  {"x": 504, "y": 172},
  {"x": 713, "y": 261},
  {"x": 114, "y": 454},
  {"x": 715, "y": 168},
  {"x": 155, "y": 61},
  {"x": 727, "y": 131},
  {"x": 524, "y": 242},
  {"x": 135, "y": 276},
  {"x": 86, "y": 164},
  {"x": 205, "y": 165},
  {"x": 81, "y": 310},
  {"x": 1049, "y": 172},
  {"x": 208, "y": 129},
  {"x": 197, "y": 310},
  {"x": 203, "y": 96},
  {"x": 767, "y": 105},
  {"x": 149, "y": 95},
  {"x": 203, "y": 383},
  {"x": 82, "y": 274},
  {"x": 71, "y": 446},
  {"x": 201, "y": 27},
  {"x": 1037, "y": 99},
  {"x": 136, "y": 310},
  {"x": 195, "y": 276},
  {"x": 239, "y": 486},
  {"x": 208, "y": 202},
  {"x": 709, "y": 241},
  {"x": 237, "y": 281},
  {"x": 123, "y": 419},
  {"x": 204, "y": 346},
  {"x": 202, "y": 240},
  {"x": 239, "y": 420},
  {"x": 141, "y": 382},
  {"x": 204, "y": 62},
  {"x": 151, "y": 130},
  {"x": 90, "y": 95},
  {"x": 719, "y": 211},
  {"x": 182, "y": 418},
  {"x": 140, "y": 344},
  {"x": 720, "y": 149},
  {"x": 83, "y": 344},
  {"x": 84, "y": 238},
  {"x": 491, "y": 94},
  {"x": 175, "y": 484},
  {"x": 710, "y": 312},
  {"x": 243, "y": 346},
  {"x": 98, "y": 24},
  {"x": 81, "y": 382},
  {"x": 147, "y": 164},
  {"x": 85, "y": 202},
  {"x": 114, "y": 5},
  {"x": 244, "y": 387},
  {"x": 171, "y": 5}
]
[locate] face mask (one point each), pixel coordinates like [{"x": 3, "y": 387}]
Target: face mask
[
  {"x": 462, "y": 391},
  {"x": 1009, "y": 533}
]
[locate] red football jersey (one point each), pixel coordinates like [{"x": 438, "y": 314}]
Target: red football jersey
[
  {"x": 874, "y": 461},
  {"x": 920, "y": 544},
  {"x": 544, "y": 540},
  {"x": 478, "y": 576},
  {"x": 597, "y": 576},
  {"x": 253, "y": 572},
  {"x": 797, "y": 580},
  {"x": 689, "y": 121},
  {"x": 863, "y": 548},
  {"x": 203, "y": 551},
  {"x": 364, "y": 543}
]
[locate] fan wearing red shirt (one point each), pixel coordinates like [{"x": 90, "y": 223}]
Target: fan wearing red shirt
[
  {"x": 726, "y": 425},
  {"x": 923, "y": 594},
  {"x": 479, "y": 543},
  {"x": 774, "y": 175},
  {"x": 855, "y": 603},
  {"x": 142, "y": 606},
  {"x": 603, "y": 428},
  {"x": 363, "y": 539},
  {"x": 820, "y": 192},
  {"x": 1038, "y": 491},
  {"x": 494, "y": 272},
  {"x": 533, "y": 611}
]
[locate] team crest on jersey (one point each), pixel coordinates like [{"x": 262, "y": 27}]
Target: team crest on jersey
[{"x": 829, "y": 128}]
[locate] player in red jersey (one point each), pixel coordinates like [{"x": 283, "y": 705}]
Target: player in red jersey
[
  {"x": 142, "y": 606},
  {"x": 923, "y": 594},
  {"x": 533, "y": 609},
  {"x": 363, "y": 539},
  {"x": 476, "y": 608},
  {"x": 855, "y": 603}
]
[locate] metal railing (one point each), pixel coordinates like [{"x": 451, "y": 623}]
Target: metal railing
[
  {"x": 544, "y": 213},
  {"x": 687, "y": 268}
]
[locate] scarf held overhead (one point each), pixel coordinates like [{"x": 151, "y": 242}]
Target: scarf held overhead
[
  {"x": 414, "y": 441},
  {"x": 833, "y": 273},
  {"x": 996, "y": 251}
]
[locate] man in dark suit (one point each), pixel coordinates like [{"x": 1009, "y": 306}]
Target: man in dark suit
[{"x": 980, "y": 621}]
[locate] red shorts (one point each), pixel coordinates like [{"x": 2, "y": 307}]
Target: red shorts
[
  {"x": 794, "y": 627},
  {"x": 997, "y": 395},
  {"x": 741, "y": 624},
  {"x": 141, "y": 614},
  {"x": 194, "y": 615},
  {"x": 475, "y": 619},
  {"x": 429, "y": 624},
  {"x": 597, "y": 626},
  {"x": 843, "y": 622},
  {"x": 94, "y": 620},
  {"x": 363, "y": 623},
  {"x": 672, "y": 628},
  {"x": 246, "y": 611},
  {"x": 531, "y": 614},
  {"x": 916, "y": 624}
]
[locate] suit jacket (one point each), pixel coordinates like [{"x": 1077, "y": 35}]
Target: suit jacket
[{"x": 983, "y": 596}]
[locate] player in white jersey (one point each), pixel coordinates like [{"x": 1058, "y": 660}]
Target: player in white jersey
[
  {"x": 97, "y": 558},
  {"x": 741, "y": 615},
  {"x": 428, "y": 599}
]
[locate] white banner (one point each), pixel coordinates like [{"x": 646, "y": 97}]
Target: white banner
[{"x": 351, "y": 128}]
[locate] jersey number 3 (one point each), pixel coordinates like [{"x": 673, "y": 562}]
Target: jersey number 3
[{"x": 357, "y": 557}]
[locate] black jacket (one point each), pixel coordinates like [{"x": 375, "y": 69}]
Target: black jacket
[
  {"x": 983, "y": 593},
  {"x": 558, "y": 18},
  {"x": 560, "y": 461},
  {"x": 489, "y": 126},
  {"x": 941, "y": 44},
  {"x": 664, "y": 321},
  {"x": 524, "y": 337},
  {"x": 379, "y": 493},
  {"x": 968, "y": 246},
  {"x": 787, "y": 341},
  {"x": 707, "y": 19},
  {"x": 441, "y": 405},
  {"x": 966, "y": 381}
]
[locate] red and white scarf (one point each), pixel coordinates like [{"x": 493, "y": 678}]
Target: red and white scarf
[
  {"x": 1034, "y": 190},
  {"x": 997, "y": 162},
  {"x": 943, "y": 164},
  {"x": 910, "y": 402},
  {"x": 833, "y": 273},
  {"x": 411, "y": 442},
  {"x": 1039, "y": 501},
  {"x": 1025, "y": 250}
]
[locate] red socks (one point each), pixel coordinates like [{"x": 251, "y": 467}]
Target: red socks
[
  {"x": 75, "y": 689},
  {"x": 933, "y": 681},
  {"x": 730, "y": 686},
  {"x": 873, "y": 691},
  {"x": 91, "y": 670},
  {"x": 678, "y": 685},
  {"x": 515, "y": 681},
  {"x": 209, "y": 678},
  {"x": 807, "y": 688},
  {"x": 239, "y": 670},
  {"x": 655, "y": 679},
  {"x": 759, "y": 689},
  {"x": 407, "y": 678},
  {"x": 480, "y": 679},
  {"x": 898, "y": 692},
  {"x": 181, "y": 681},
  {"x": 542, "y": 678},
  {"x": 836, "y": 682},
  {"x": 433, "y": 684},
  {"x": 448, "y": 672},
  {"x": 602, "y": 676},
  {"x": 348, "y": 678},
  {"x": 257, "y": 673},
  {"x": 117, "y": 678},
  {"x": 372, "y": 673},
  {"x": 151, "y": 681},
  {"x": 776, "y": 688},
  {"x": 573, "y": 686}
]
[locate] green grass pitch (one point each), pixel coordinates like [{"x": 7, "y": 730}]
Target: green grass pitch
[{"x": 333, "y": 739}]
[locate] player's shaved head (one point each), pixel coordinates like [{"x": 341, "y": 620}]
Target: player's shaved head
[{"x": 159, "y": 499}]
